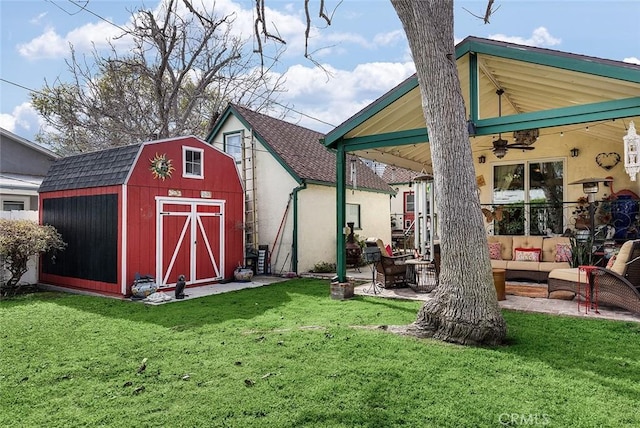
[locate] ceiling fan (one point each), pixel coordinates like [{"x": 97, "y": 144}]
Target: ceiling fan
[{"x": 523, "y": 138}]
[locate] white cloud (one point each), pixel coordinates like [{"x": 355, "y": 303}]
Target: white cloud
[
  {"x": 333, "y": 100},
  {"x": 50, "y": 44},
  {"x": 540, "y": 38},
  {"x": 7, "y": 121},
  {"x": 632, "y": 60},
  {"x": 23, "y": 120},
  {"x": 36, "y": 20}
]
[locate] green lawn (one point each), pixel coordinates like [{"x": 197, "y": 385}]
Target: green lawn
[{"x": 287, "y": 355}]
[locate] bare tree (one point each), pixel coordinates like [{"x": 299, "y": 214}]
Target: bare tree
[
  {"x": 465, "y": 308},
  {"x": 184, "y": 66}
]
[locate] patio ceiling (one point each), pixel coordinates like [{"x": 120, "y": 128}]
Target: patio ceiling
[{"x": 554, "y": 91}]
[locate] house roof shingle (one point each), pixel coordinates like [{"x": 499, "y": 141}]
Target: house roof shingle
[
  {"x": 96, "y": 169},
  {"x": 301, "y": 150}
]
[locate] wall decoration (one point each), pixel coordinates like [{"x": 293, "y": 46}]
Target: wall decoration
[
  {"x": 607, "y": 160},
  {"x": 161, "y": 166}
]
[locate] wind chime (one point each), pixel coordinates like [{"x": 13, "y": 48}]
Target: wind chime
[
  {"x": 632, "y": 152},
  {"x": 425, "y": 220}
]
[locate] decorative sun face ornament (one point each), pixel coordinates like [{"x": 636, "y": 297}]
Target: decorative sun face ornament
[{"x": 161, "y": 166}]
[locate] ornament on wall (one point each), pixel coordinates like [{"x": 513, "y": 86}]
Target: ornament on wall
[
  {"x": 161, "y": 166},
  {"x": 607, "y": 160}
]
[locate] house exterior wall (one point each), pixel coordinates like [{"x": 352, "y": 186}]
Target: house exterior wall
[
  {"x": 22, "y": 168},
  {"x": 556, "y": 147},
  {"x": 18, "y": 158},
  {"x": 317, "y": 222}
]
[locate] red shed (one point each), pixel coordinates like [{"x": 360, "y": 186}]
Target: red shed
[{"x": 163, "y": 208}]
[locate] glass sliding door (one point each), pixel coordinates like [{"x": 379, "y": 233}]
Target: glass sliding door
[{"x": 530, "y": 194}]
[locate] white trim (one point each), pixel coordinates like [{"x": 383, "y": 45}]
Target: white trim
[
  {"x": 185, "y": 174},
  {"x": 192, "y": 221},
  {"x": 123, "y": 235}
]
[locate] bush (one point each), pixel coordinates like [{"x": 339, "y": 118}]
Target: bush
[
  {"x": 19, "y": 241},
  {"x": 324, "y": 267}
]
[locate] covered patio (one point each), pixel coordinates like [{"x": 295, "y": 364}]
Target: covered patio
[{"x": 527, "y": 107}]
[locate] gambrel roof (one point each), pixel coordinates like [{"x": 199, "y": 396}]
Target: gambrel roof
[{"x": 94, "y": 169}]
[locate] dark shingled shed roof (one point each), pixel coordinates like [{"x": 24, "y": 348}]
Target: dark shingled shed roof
[
  {"x": 300, "y": 150},
  {"x": 108, "y": 167}
]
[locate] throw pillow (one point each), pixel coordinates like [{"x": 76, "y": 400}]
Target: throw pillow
[
  {"x": 495, "y": 250},
  {"x": 389, "y": 251},
  {"x": 563, "y": 253},
  {"x": 611, "y": 261},
  {"x": 527, "y": 254}
]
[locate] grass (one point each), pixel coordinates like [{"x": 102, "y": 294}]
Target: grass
[{"x": 287, "y": 355}]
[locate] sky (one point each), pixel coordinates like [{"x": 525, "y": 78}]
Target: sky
[{"x": 364, "y": 48}]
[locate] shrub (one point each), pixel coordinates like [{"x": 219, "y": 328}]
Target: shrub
[
  {"x": 324, "y": 267},
  {"x": 19, "y": 241}
]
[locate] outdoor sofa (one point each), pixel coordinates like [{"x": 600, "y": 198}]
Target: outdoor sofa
[{"x": 529, "y": 258}]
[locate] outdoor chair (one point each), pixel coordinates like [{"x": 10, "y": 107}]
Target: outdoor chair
[
  {"x": 390, "y": 270},
  {"x": 617, "y": 286}
]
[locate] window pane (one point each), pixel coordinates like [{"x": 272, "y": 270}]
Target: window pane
[
  {"x": 193, "y": 163},
  {"x": 531, "y": 196},
  {"x": 546, "y": 196},
  {"x": 233, "y": 146},
  {"x": 508, "y": 189},
  {"x": 408, "y": 202},
  {"x": 353, "y": 215},
  {"x": 12, "y": 206}
]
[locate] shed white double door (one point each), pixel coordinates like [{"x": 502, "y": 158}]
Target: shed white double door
[{"x": 189, "y": 240}]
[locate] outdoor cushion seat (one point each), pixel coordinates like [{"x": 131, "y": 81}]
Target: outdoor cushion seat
[
  {"x": 617, "y": 286},
  {"x": 390, "y": 270}
]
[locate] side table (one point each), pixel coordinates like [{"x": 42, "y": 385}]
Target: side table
[
  {"x": 421, "y": 275},
  {"x": 590, "y": 288},
  {"x": 499, "y": 282}
]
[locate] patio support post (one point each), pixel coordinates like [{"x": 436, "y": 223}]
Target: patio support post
[
  {"x": 473, "y": 87},
  {"x": 341, "y": 218}
]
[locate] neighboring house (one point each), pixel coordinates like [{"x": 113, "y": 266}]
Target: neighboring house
[
  {"x": 402, "y": 204},
  {"x": 162, "y": 208},
  {"x": 23, "y": 165},
  {"x": 290, "y": 184}
]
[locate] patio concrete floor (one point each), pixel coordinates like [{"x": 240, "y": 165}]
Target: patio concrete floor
[{"x": 363, "y": 277}]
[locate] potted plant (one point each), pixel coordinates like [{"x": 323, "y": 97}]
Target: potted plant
[{"x": 581, "y": 214}]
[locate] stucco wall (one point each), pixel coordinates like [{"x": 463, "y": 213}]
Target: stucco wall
[
  {"x": 317, "y": 222},
  {"x": 557, "y": 148}
]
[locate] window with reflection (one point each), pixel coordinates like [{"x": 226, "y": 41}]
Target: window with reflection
[{"x": 531, "y": 194}]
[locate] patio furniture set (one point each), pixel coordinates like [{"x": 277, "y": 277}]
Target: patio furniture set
[{"x": 617, "y": 285}]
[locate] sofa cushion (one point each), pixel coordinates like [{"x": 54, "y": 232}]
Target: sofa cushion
[
  {"x": 549, "y": 266},
  {"x": 518, "y": 265},
  {"x": 499, "y": 264},
  {"x": 507, "y": 245},
  {"x": 495, "y": 250},
  {"x": 550, "y": 248},
  {"x": 563, "y": 253},
  {"x": 619, "y": 266},
  {"x": 526, "y": 254},
  {"x": 569, "y": 274},
  {"x": 527, "y": 242}
]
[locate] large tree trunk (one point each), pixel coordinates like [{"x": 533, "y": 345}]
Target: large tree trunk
[{"x": 465, "y": 306}]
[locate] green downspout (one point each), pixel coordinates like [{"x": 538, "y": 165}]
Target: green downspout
[
  {"x": 294, "y": 242},
  {"x": 341, "y": 217}
]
